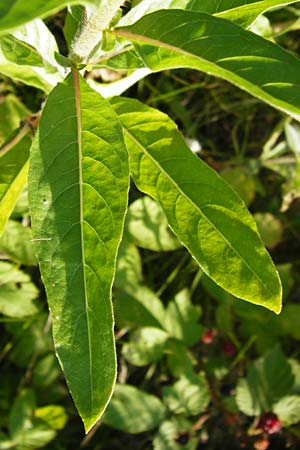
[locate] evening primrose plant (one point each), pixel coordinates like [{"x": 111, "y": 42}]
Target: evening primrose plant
[{"x": 89, "y": 142}]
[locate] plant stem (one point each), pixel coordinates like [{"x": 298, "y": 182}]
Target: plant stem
[{"x": 91, "y": 32}]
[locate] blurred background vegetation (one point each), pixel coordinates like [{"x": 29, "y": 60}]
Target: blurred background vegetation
[{"x": 197, "y": 367}]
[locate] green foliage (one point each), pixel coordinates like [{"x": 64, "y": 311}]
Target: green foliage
[
  {"x": 200, "y": 207},
  {"x": 84, "y": 151},
  {"x": 188, "y": 396},
  {"x": 74, "y": 237},
  {"x": 268, "y": 381},
  {"x": 146, "y": 411},
  {"x": 14, "y": 168},
  {"x": 17, "y": 292},
  {"x": 16, "y": 242},
  {"x": 148, "y": 227}
]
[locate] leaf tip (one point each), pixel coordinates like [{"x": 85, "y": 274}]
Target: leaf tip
[{"x": 277, "y": 303}]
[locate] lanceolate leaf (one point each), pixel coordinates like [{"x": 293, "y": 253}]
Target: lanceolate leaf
[
  {"x": 243, "y": 12},
  {"x": 13, "y": 172},
  {"x": 78, "y": 196},
  {"x": 176, "y": 38},
  {"x": 230, "y": 5},
  {"x": 204, "y": 212},
  {"x": 14, "y": 13}
]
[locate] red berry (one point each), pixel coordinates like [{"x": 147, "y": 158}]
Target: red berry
[
  {"x": 208, "y": 336},
  {"x": 270, "y": 423},
  {"x": 228, "y": 348}
]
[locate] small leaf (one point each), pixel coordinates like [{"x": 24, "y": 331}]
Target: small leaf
[
  {"x": 181, "y": 319},
  {"x": 204, "y": 212},
  {"x": 138, "y": 307},
  {"x": 288, "y": 409},
  {"x": 129, "y": 267},
  {"x": 133, "y": 411},
  {"x": 175, "y": 434},
  {"x": 188, "y": 396},
  {"x": 46, "y": 370},
  {"x": 55, "y": 416},
  {"x": 28, "y": 339},
  {"x": 17, "y": 293},
  {"x": 146, "y": 345},
  {"x": 148, "y": 226},
  {"x": 270, "y": 228},
  {"x": 268, "y": 379},
  {"x": 21, "y": 413},
  {"x": 180, "y": 360},
  {"x": 78, "y": 189},
  {"x": 16, "y": 243}
]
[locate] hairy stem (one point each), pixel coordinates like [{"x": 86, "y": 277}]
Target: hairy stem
[{"x": 90, "y": 34}]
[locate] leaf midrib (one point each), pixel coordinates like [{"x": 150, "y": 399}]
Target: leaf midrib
[
  {"x": 248, "y": 86},
  {"x": 196, "y": 207},
  {"x": 81, "y": 220}
]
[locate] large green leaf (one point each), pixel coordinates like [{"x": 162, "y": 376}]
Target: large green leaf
[
  {"x": 204, "y": 212},
  {"x": 78, "y": 196},
  {"x": 14, "y": 13},
  {"x": 177, "y": 38},
  {"x": 13, "y": 172}
]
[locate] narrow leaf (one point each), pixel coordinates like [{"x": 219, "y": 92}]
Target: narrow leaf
[
  {"x": 243, "y": 12},
  {"x": 13, "y": 172},
  {"x": 204, "y": 212},
  {"x": 176, "y": 38},
  {"x": 78, "y": 195}
]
